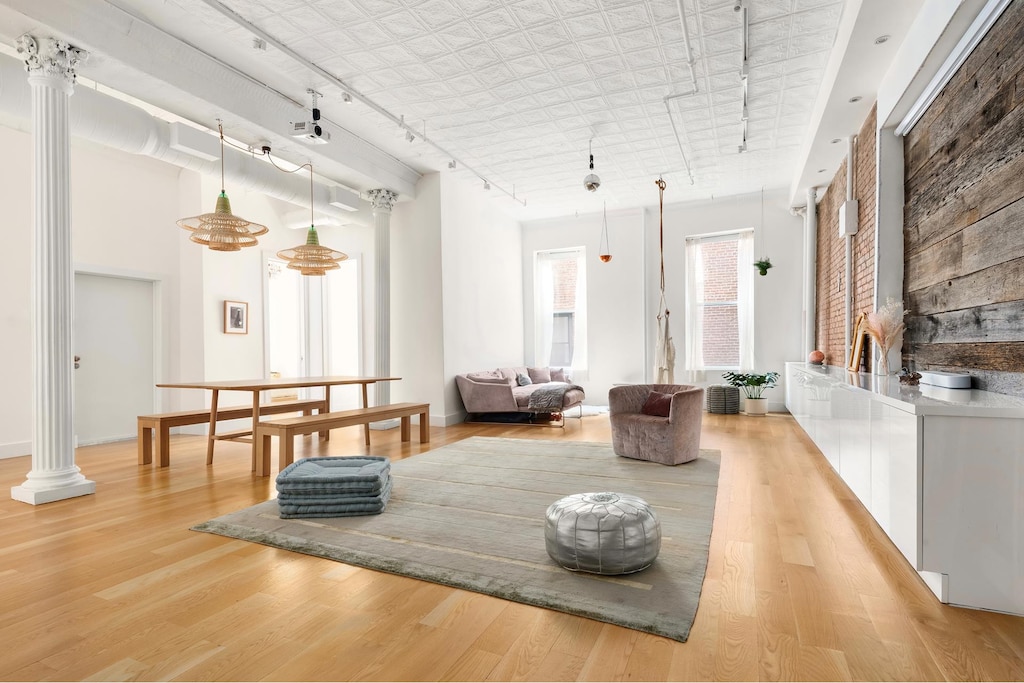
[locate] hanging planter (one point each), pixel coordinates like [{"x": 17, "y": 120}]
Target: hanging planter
[
  {"x": 605, "y": 252},
  {"x": 763, "y": 265}
]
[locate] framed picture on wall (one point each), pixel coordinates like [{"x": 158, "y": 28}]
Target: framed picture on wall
[{"x": 236, "y": 317}]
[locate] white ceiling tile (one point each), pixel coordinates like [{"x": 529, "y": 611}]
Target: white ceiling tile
[
  {"x": 533, "y": 12},
  {"x": 595, "y": 48},
  {"x": 586, "y": 26},
  {"x": 426, "y": 47},
  {"x": 765, "y": 9},
  {"x": 458, "y": 36},
  {"x": 650, "y": 77},
  {"x": 368, "y": 34},
  {"x": 436, "y": 14},
  {"x": 575, "y": 73},
  {"x": 495, "y": 24},
  {"x": 642, "y": 59},
  {"x": 583, "y": 89},
  {"x": 512, "y": 46},
  {"x": 592, "y": 104},
  {"x": 527, "y": 66},
  {"x": 640, "y": 39}
]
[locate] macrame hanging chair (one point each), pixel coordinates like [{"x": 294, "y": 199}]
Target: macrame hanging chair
[{"x": 665, "y": 350}]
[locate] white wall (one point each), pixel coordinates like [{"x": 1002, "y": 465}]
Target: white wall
[
  {"x": 122, "y": 222},
  {"x": 615, "y": 294},
  {"x": 16, "y": 302},
  {"x": 456, "y": 288},
  {"x": 777, "y": 295},
  {"x": 417, "y": 343},
  {"x": 482, "y": 285}
]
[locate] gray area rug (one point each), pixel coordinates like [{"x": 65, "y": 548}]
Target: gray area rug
[{"x": 471, "y": 515}]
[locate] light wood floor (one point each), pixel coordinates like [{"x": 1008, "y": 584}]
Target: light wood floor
[{"x": 800, "y": 584}]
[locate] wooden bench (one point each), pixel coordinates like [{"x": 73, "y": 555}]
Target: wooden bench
[
  {"x": 286, "y": 428},
  {"x": 160, "y": 425}
]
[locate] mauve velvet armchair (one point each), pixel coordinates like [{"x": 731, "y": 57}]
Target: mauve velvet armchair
[{"x": 670, "y": 440}]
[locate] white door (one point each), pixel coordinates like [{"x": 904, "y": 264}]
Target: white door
[{"x": 113, "y": 337}]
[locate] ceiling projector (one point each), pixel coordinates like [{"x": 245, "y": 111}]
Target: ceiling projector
[{"x": 310, "y": 131}]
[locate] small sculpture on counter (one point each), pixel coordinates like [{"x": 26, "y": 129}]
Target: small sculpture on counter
[
  {"x": 909, "y": 378},
  {"x": 816, "y": 357}
]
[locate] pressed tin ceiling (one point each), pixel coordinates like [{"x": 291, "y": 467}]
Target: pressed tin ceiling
[{"x": 516, "y": 89}]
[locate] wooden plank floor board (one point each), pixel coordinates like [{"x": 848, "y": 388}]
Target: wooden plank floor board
[{"x": 801, "y": 584}]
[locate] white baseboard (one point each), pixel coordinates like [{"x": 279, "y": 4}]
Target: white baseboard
[{"x": 15, "y": 450}]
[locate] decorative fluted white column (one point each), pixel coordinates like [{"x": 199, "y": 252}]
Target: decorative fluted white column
[
  {"x": 383, "y": 200},
  {"x": 51, "y": 67}
]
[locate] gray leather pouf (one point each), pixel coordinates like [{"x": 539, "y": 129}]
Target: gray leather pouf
[{"x": 602, "y": 533}]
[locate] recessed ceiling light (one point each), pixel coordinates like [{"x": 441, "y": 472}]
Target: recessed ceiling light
[
  {"x": 835, "y": 140},
  {"x": 855, "y": 98},
  {"x": 882, "y": 39}
]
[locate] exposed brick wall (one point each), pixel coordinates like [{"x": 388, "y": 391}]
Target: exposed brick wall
[
  {"x": 831, "y": 315},
  {"x": 720, "y": 339},
  {"x": 565, "y": 284}
]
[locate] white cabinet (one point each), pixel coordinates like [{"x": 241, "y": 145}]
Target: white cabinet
[
  {"x": 941, "y": 472},
  {"x": 973, "y": 512},
  {"x": 895, "y": 462}
]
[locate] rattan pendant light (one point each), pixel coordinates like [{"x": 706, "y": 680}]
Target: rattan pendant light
[
  {"x": 311, "y": 258},
  {"x": 222, "y": 230}
]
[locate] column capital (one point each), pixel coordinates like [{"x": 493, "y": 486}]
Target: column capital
[
  {"x": 51, "y": 58},
  {"x": 382, "y": 199}
]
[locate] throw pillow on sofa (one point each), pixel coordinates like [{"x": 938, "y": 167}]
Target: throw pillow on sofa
[
  {"x": 560, "y": 375},
  {"x": 539, "y": 375},
  {"x": 657, "y": 404},
  {"x": 523, "y": 380}
]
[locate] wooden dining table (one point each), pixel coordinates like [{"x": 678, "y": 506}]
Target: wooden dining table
[{"x": 256, "y": 387}]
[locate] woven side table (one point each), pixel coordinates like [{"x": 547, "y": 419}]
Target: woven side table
[{"x": 722, "y": 398}]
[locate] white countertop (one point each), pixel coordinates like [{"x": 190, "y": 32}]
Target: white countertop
[{"x": 923, "y": 399}]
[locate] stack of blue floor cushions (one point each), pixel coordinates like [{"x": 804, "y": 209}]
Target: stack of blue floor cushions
[{"x": 334, "y": 487}]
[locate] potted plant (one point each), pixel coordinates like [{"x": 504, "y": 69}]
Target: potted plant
[
  {"x": 753, "y": 385},
  {"x": 763, "y": 265}
]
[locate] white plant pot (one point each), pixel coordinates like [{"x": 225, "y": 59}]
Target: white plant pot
[{"x": 755, "y": 406}]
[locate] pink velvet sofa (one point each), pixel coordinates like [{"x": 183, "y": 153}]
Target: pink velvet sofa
[{"x": 504, "y": 391}]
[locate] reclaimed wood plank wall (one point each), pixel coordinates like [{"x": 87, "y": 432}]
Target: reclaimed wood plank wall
[{"x": 964, "y": 218}]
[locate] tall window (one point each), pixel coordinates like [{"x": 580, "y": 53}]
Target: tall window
[
  {"x": 560, "y": 310},
  {"x": 719, "y": 298}
]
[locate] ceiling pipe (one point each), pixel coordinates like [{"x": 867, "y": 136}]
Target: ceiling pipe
[
  {"x": 106, "y": 120},
  {"x": 692, "y": 91},
  {"x": 686, "y": 46},
  {"x": 848, "y": 237},
  {"x": 353, "y": 93}
]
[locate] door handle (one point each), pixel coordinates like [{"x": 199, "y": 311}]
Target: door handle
[{"x": 77, "y": 358}]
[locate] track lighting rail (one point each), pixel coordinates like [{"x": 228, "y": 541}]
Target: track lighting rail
[{"x": 221, "y": 8}]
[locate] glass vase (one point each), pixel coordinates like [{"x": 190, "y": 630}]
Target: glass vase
[{"x": 882, "y": 367}]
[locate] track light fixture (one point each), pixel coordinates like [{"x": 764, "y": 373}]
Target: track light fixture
[
  {"x": 346, "y": 98},
  {"x": 409, "y": 136},
  {"x": 452, "y": 164},
  {"x": 592, "y": 182},
  {"x": 487, "y": 185}
]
